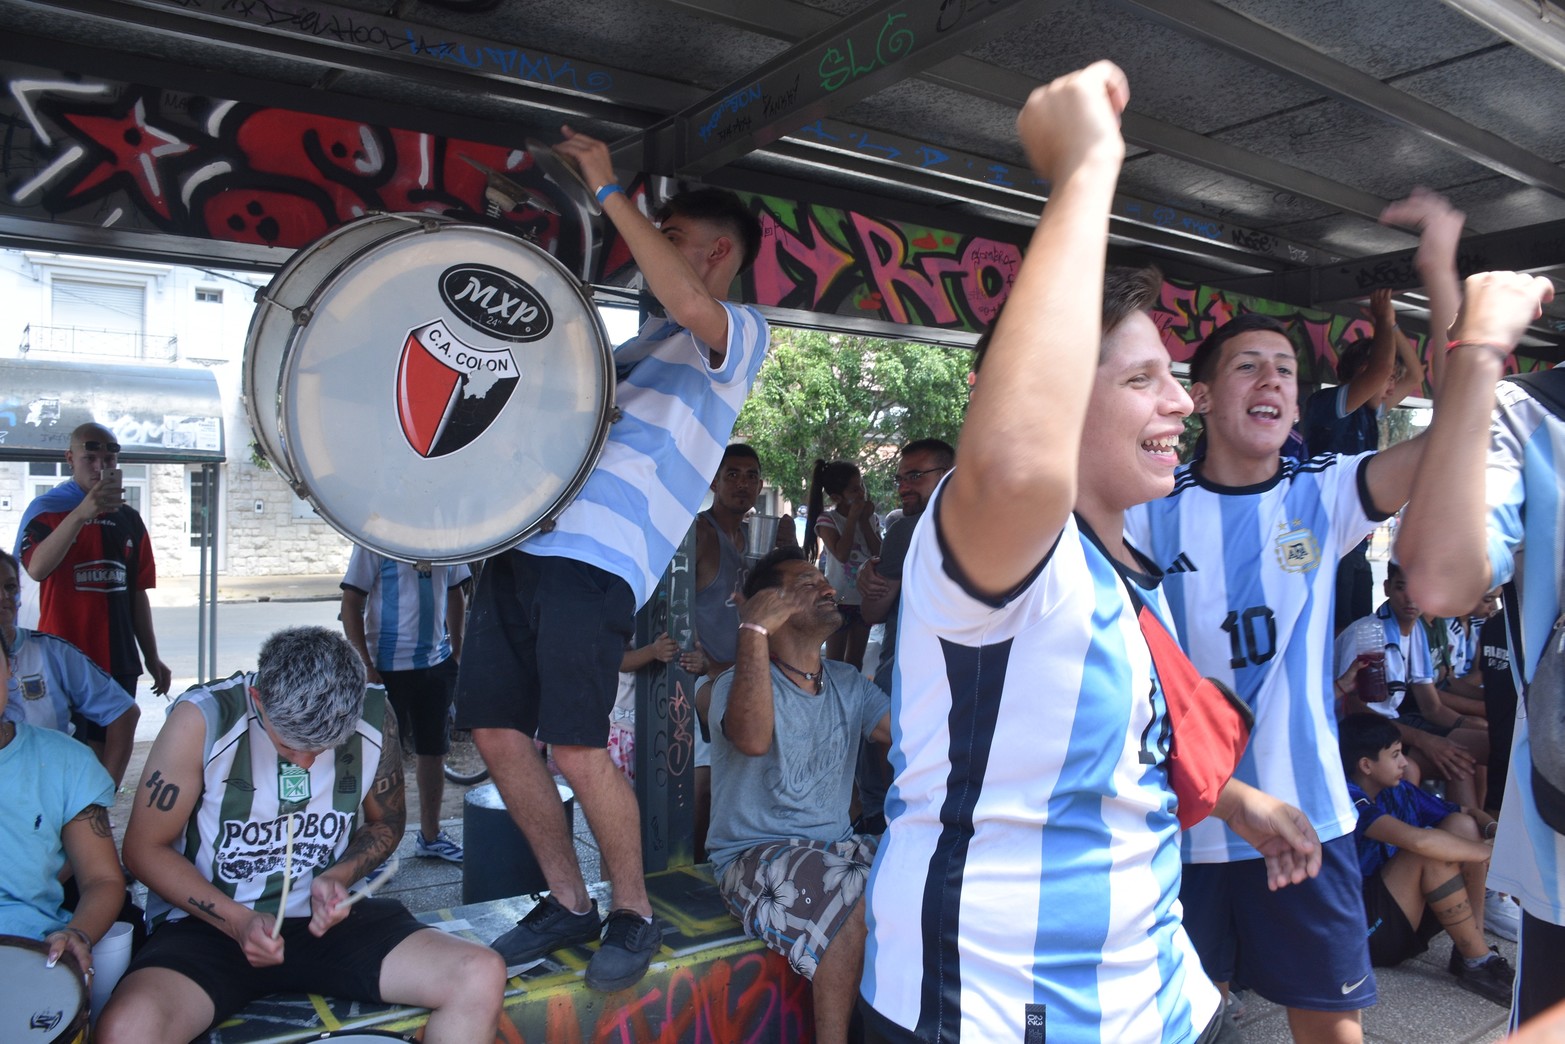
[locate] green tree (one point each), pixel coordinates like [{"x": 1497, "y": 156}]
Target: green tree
[{"x": 842, "y": 397}]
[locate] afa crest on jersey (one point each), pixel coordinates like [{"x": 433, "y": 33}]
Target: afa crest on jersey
[{"x": 1297, "y": 549}]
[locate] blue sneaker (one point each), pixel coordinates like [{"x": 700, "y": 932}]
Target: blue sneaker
[{"x": 442, "y": 847}]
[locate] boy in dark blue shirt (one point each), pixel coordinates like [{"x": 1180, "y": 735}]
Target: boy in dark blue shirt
[{"x": 1423, "y": 860}]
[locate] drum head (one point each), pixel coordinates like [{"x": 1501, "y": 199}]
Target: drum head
[
  {"x": 444, "y": 391},
  {"x": 272, "y": 325},
  {"x": 38, "y": 1003}
]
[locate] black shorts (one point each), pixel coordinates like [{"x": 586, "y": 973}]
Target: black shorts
[
  {"x": 1392, "y": 939},
  {"x": 542, "y": 651},
  {"x": 1540, "y": 968},
  {"x": 345, "y": 962},
  {"x": 422, "y": 700}
]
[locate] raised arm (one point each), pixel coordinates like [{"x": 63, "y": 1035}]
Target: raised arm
[
  {"x": 1440, "y": 231},
  {"x": 1440, "y": 542},
  {"x": 676, "y": 285},
  {"x": 1015, "y": 478},
  {"x": 45, "y": 556},
  {"x": 1377, "y": 369},
  {"x": 748, "y": 718}
]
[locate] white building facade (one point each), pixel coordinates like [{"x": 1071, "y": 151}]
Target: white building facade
[{"x": 67, "y": 307}]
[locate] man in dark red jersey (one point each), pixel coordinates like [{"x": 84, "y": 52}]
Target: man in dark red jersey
[{"x": 89, "y": 552}]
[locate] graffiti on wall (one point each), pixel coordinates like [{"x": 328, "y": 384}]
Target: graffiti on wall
[
  {"x": 141, "y": 158},
  {"x": 822, "y": 259},
  {"x": 145, "y": 159}
]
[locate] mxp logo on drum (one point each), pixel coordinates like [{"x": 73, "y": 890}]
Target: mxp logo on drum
[
  {"x": 449, "y": 391},
  {"x": 496, "y": 302}
]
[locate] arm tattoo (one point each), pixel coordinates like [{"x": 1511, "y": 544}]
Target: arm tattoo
[
  {"x": 164, "y": 794},
  {"x": 97, "y": 817},
  {"x": 208, "y": 908},
  {"x": 373, "y": 842}
]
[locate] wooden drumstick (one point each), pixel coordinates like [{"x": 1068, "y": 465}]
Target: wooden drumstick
[
  {"x": 371, "y": 887},
  {"x": 282, "y": 902}
]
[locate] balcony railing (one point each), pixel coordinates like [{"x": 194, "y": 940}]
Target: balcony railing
[{"x": 115, "y": 344}]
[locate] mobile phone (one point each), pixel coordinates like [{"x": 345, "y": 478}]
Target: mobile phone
[{"x": 112, "y": 476}]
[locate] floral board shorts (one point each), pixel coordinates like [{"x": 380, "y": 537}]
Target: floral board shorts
[{"x": 795, "y": 895}]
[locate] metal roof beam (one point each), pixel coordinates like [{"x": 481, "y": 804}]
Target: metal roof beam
[
  {"x": 342, "y": 38},
  {"x": 792, "y": 21},
  {"x": 1219, "y": 27},
  {"x": 850, "y": 59},
  {"x": 1532, "y": 248}
]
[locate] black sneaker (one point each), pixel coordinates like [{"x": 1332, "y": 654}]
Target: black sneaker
[
  {"x": 1491, "y": 980},
  {"x": 547, "y": 927},
  {"x": 628, "y": 945}
]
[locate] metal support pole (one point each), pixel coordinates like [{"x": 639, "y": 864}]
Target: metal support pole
[{"x": 666, "y": 722}]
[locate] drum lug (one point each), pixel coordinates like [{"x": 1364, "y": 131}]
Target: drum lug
[
  {"x": 546, "y": 526},
  {"x": 615, "y": 415},
  {"x": 424, "y": 567},
  {"x": 302, "y": 316}
]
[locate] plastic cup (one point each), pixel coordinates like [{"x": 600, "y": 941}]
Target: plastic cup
[
  {"x": 1369, "y": 646},
  {"x": 110, "y": 958}
]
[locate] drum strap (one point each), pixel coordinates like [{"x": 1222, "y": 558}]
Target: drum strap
[{"x": 629, "y": 354}]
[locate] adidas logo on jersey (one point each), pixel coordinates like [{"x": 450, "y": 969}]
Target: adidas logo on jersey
[{"x": 1182, "y": 564}]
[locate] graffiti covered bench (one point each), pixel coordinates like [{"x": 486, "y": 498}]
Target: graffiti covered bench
[{"x": 708, "y": 983}]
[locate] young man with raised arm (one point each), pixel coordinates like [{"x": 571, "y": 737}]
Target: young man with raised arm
[{"x": 1492, "y": 512}]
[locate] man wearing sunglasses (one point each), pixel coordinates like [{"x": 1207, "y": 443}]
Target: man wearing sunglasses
[
  {"x": 90, "y": 555},
  {"x": 924, "y": 463}
]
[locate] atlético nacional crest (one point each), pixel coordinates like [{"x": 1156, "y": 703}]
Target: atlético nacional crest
[{"x": 448, "y": 391}]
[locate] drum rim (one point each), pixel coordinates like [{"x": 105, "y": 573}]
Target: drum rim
[
  {"x": 68, "y": 1031},
  {"x": 265, "y": 302},
  {"x": 299, "y": 480}
]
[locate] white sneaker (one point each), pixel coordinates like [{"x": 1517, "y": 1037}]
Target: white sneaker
[{"x": 1501, "y": 915}]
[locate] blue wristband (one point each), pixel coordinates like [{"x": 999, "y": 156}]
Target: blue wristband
[{"x": 605, "y": 191}]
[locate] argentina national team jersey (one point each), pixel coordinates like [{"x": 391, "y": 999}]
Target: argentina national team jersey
[
  {"x": 676, "y": 414},
  {"x": 1526, "y": 520},
  {"x": 1029, "y": 870},
  {"x": 1250, "y": 578},
  {"x": 404, "y": 609}
]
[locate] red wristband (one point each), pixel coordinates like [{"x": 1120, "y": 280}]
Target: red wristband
[{"x": 1500, "y": 351}]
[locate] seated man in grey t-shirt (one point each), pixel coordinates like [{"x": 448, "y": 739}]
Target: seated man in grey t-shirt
[{"x": 785, "y": 738}]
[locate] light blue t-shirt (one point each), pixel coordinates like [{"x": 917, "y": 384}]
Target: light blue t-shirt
[
  {"x": 48, "y": 779},
  {"x": 51, "y": 678}
]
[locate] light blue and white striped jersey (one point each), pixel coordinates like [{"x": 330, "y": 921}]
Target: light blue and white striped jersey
[
  {"x": 1030, "y": 868},
  {"x": 1250, "y": 577},
  {"x": 404, "y": 609},
  {"x": 676, "y": 414},
  {"x": 1527, "y": 514}
]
